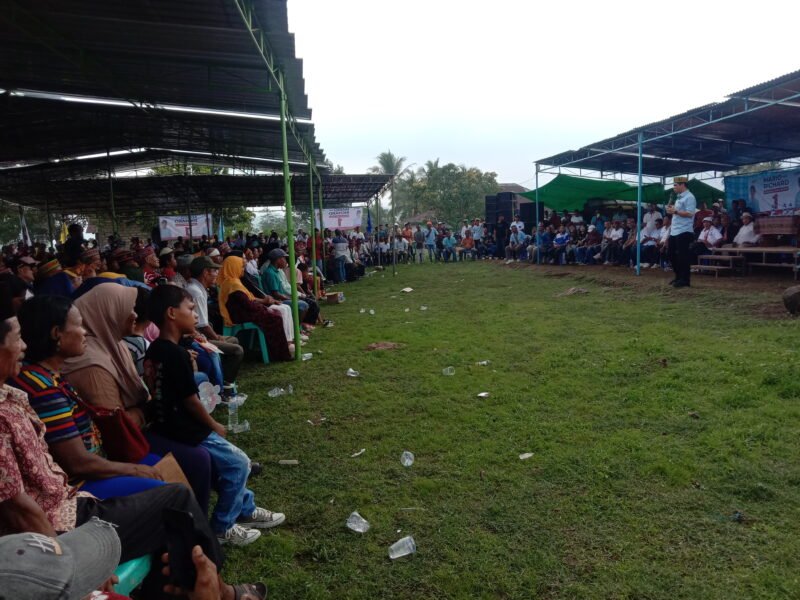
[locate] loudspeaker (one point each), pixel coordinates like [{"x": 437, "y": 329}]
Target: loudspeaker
[
  {"x": 527, "y": 212},
  {"x": 491, "y": 209},
  {"x": 505, "y": 206}
]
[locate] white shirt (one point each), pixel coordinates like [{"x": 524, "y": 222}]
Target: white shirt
[
  {"x": 575, "y": 219},
  {"x": 200, "y": 297},
  {"x": 650, "y": 217},
  {"x": 649, "y": 232},
  {"x": 616, "y": 234},
  {"x": 747, "y": 235},
  {"x": 664, "y": 234},
  {"x": 519, "y": 224},
  {"x": 709, "y": 236},
  {"x": 356, "y": 235}
]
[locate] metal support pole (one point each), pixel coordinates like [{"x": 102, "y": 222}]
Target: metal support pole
[
  {"x": 313, "y": 233},
  {"x": 394, "y": 233},
  {"x": 111, "y": 196},
  {"x": 536, "y": 221},
  {"x": 189, "y": 213},
  {"x": 639, "y": 211},
  {"x": 287, "y": 194},
  {"x": 322, "y": 231},
  {"x": 51, "y": 242}
]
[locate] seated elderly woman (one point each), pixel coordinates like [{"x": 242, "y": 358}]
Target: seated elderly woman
[
  {"x": 105, "y": 376},
  {"x": 239, "y": 305},
  {"x": 53, "y": 330}
]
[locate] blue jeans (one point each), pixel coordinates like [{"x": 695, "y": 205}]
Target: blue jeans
[
  {"x": 114, "y": 487},
  {"x": 340, "y": 261},
  {"x": 431, "y": 251},
  {"x": 210, "y": 364},
  {"x": 231, "y": 467}
]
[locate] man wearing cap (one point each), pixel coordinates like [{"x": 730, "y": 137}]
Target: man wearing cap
[
  {"x": 51, "y": 279},
  {"x": 518, "y": 223},
  {"x": 204, "y": 273},
  {"x": 167, "y": 263},
  {"x": 92, "y": 263},
  {"x": 708, "y": 238},
  {"x": 681, "y": 231},
  {"x": 25, "y": 267},
  {"x": 277, "y": 285},
  {"x": 747, "y": 235}
]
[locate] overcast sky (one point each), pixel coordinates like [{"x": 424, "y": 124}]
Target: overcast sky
[{"x": 501, "y": 83}]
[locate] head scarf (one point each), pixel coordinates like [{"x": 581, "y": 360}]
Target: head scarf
[
  {"x": 229, "y": 281},
  {"x": 105, "y": 309}
]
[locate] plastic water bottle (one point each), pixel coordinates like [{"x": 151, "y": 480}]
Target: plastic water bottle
[
  {"x": 308, "y": 356},
  {"x": 275, "y": 392},
  {"x": 355, "y": 522},
  {"x": 402, "y": 547},
  {"x": 233, "y": 415},
  {"x": 407, "y": 458}
]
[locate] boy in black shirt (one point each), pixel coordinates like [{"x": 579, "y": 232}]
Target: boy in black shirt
[{"x": 178, "y": 414}]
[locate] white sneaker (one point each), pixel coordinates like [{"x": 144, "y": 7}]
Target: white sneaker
[
  {"x": 607, "y": 263},
  {"x": 645, "y": 265},
  {"x": 239, "y": 536},
  {"x": 654, "y": 266},
  {"x": 263, "y": 519},
  {"x": 597, "y": 256}
]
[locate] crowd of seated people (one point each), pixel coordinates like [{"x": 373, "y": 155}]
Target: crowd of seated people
[{"x": 102, "y": 353}]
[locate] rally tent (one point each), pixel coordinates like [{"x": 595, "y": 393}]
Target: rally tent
[{"x": 567, "y": 192}]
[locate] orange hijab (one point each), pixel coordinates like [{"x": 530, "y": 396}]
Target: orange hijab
[{"x": 230, "y": 281}]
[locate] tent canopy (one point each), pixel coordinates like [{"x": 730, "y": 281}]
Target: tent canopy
[{"x": 566, "y": 192}]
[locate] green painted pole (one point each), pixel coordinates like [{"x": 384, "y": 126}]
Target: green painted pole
[
  {"x": 287, "y": 194},
  {"x": 313, "y": 235},
  {"x": 639, "y": 211},
  {"x": 394, "y": 233},
  {"x": 322, "y": 232},
  {"x": 536, "y": 221}
]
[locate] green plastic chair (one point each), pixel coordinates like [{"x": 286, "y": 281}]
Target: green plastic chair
[
  {"x": 131, "y": 574},
  {"x": 255, "y": 333}
]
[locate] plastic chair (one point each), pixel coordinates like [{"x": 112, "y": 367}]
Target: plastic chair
[
  {"x": 256, "y": 333},
  {"x": 131, "y": 574}
]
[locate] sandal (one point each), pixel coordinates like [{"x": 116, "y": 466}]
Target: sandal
[{"x": 250, "y": 591}]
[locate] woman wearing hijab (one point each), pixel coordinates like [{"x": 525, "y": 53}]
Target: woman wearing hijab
[
  {"x": 238, "y": 305},
  {"x": 105, "y": 376}
]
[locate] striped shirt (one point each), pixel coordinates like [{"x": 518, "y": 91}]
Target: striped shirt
[{"x": 55, "y": 402}]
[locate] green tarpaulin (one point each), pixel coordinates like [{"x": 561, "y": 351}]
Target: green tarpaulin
[{"x": 566, "y": 192}]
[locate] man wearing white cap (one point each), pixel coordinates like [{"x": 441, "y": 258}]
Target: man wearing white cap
[{"x": 747, "y": 235}]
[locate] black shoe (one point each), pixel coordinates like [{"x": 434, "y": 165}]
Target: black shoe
[
  {"x": 681, "y": 284},
  {"x": 673, "y": 282}
]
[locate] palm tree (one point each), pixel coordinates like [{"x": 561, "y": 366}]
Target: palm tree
[{"x": 388, "y": 164}]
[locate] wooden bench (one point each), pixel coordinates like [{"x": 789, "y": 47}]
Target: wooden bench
[{"x": 726, "y": 262}]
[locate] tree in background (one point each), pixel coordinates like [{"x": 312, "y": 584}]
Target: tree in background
[
  {"x": 388, "y": 164},
  {"x": 452, "y": 192}
]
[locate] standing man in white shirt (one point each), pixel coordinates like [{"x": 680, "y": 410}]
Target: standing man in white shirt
[
  {"x": 651, "y": 215},
  {"x": 681, "y": 231},
  {"x": 518, "y": 223}
]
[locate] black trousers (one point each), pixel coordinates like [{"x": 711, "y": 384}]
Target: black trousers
[
  {"x": 681, "y": 255},
  {"x": 140, "y": 524}
]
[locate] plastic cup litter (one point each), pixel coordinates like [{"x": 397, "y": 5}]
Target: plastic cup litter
[
  {"x": 525, "y": 455},
  {"x": 449, "y": 371},
  {"x": 407, "y": 458},
  {"x": 308, "y": 356},
  {"x": 352, "y": 373},
  {"x": 483, "y": 395},
  {"x": 355, "y": 522},
  {"x": 402, "y": 547}
]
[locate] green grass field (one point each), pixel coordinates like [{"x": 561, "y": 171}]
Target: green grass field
[{"x": 663, "y": 424}]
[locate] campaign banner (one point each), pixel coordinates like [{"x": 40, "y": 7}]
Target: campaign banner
[
  {"x": 766, "y": 193},
  {"x": 344, "y": 217},
  {"x": 173, "y": 227}
]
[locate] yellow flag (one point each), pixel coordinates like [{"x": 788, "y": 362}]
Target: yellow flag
[{"x": 63, "y": 237}]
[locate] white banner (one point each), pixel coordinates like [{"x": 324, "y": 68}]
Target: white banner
[
  {"x": 173, "y": 227},
  {"x": 345, "y": 217},
  {"x": 770, "y": 192}
]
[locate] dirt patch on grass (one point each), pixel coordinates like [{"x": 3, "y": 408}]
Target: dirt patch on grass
[
  {"x": 771, "y": 311},
  {"x": 383, "y": 346}
]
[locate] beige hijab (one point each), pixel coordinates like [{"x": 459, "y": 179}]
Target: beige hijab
[{"x": 105, "y": 309}]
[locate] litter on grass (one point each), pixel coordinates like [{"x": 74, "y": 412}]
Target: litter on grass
[
  {"x": 525, "y": 456},
  {"x": 308, "y": 356},
  {"x": 363, "y": 310},
  {"x": 383, "y": 346},
  {"x": 423, "y": 307},
  {"x": 355, "y": 522},
  {"x": 407, "y": 458},
  {"x": 572, "y": 291},
  {"x": 289, "y": 461},
  {"x": 407, "y": 290},
  {"x": 449, "y": 371},
  {"x": 482, "y": 363},
  {"x": 407, "y": 310},
  {"x": 352, "y": 373},
  {"x": 372, "y": 311},
  {"x": 359, "y": 453},
  {"x": 483, "y": 395}
]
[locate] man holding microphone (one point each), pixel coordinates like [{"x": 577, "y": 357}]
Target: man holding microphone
[{"x": 682, "y": 231}]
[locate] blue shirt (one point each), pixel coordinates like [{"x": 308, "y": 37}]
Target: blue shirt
[
  {"x": 684, "y": 202},
  {"x": 561, "y": 239},
  {"x": 543, "y": 239},
  {"x": 517, "y": 238},
  {"x": 449, "y": 242},
  {"x": 477, "y": 232},
  {"x": 430, "y": 236}
]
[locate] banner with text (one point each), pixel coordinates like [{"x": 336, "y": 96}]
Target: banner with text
[
  {"x": 173, "y": 227},
  {"x": 345, "y": 217},
  {"x": 769, "y": 192}
]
